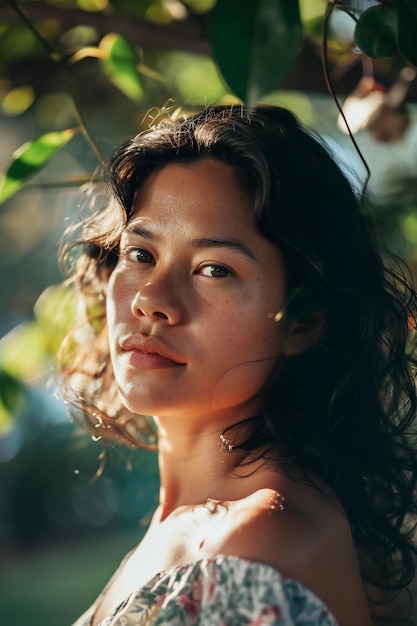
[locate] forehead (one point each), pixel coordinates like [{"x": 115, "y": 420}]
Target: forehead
[{"x": 203, "y": 190}]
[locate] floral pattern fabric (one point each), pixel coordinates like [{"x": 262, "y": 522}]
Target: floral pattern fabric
[{"x": 223, "y": 591}]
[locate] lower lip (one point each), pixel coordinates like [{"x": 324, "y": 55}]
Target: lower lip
[{"x": 150, "y": 360}]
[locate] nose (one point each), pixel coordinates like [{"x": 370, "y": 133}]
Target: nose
[{"x": 158, "y": 300}]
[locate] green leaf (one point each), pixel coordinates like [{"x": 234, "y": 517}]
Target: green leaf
[
  {"x": 376, "y": 32},
  {"x": 55, "y": 313},
  {"x": 407, "y": 31},
  {"x": 11, "y": 391},
  {"x": 120, "y": 65},
  {"x": 24, "y": 354},
  {"x": 27, "y": 351},
  {"x": 255, "y": 43},
  {"x": 30, "y": 158},
  {"x": 12, "y": 396},
  {"x": 18, "y": 100},
  {"x": 410, "y": 6}
]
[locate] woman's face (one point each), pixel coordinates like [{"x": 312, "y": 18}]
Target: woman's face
[{"x": 192, "y": 300}]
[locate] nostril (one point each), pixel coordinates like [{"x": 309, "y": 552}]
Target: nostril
[{"x": 161, "y": 315}]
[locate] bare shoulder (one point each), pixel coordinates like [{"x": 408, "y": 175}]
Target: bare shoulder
[
  {"x": 312, "y": 529},
  {"x": 305, "y": 537}
]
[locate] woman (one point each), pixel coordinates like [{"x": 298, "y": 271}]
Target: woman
[{"x": 232, "y": 289}]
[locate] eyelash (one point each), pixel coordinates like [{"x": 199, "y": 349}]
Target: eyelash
[{"x": 134, "y": 253}]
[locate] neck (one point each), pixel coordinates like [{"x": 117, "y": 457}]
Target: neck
[{"x": 194, "y": 466}]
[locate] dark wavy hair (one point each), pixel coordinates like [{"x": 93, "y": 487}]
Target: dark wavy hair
[{"x": 344, "y": 409}]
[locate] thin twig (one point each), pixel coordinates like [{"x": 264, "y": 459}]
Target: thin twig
[
  {"x": 38, "y": 35},
  {"x": 71, "y": 181},
  {"x": 329, "y": 10},
  {"x": 189, "y": 34},
  {"x": 58, "y": 58}
]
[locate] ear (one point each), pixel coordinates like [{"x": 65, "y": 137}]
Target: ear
[{"x": 302, "y": 336}]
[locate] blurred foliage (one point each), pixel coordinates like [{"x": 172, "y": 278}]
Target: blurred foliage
[
  {"x": 29, "y": 350},
  {"x": 254, "y": 45},
  {"x": 78, "y": 77},
  {"x": 31, "y": 157}
]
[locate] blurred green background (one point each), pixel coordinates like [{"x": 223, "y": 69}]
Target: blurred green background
[{"x": 78, "y": 77}]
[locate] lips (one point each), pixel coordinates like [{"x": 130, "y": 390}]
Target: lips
[{"x": 150, "y": 353}]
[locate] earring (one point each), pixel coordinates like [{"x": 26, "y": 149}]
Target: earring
[
  {"x": 226, "y": 445},
  {"x": 278, "y": 317}
]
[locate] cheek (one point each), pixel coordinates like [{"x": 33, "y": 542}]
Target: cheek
[
  {"x": 244, "y": 338},
  {"x": 117, "y": 300},
  {"x": 244, "y": 363},
  {"x": 110, "y": 304},
  {"x": 117, "y": 310}
]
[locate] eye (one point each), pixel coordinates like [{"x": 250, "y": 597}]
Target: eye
[
  {"x": 215, "y": 271},
  {"x": 140, "y": 255}
]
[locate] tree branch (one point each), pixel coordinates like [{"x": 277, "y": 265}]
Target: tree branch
[
  {"x": 190, "y": 35},
  {"x": 187, "y": 35}
]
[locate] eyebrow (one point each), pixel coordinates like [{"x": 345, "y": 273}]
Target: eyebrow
[
  {"x": 142, "y": 232},
  {"x": 204, "y": 242},
  {"x": 224, "y": 242}
]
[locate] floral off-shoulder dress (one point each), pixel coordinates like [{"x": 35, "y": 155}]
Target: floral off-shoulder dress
[{"x": 222, "y": 591}]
